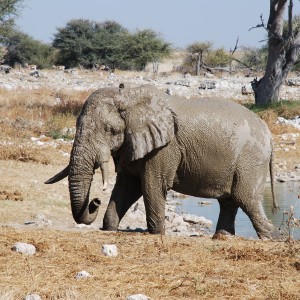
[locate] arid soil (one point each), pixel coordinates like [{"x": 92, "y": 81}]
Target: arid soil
[{"x": 160, "y": 267}]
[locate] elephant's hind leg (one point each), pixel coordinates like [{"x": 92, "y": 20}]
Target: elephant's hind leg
[
  {"x": 228, "y": 211},
  {"x": 248, "y": 193},
  {"x": 126, "y": 192}
]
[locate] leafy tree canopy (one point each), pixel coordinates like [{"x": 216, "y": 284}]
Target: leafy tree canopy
[
  {"x": 22, "y": 49},
  {"x": 87, "y": 43},
  {"x": 8, "y": 12}
]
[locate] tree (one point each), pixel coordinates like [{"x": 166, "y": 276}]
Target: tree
[
  {"x": 86, "y": 43},
  {"x": 283, "y": 52},
  {"x": 197, "y": 51},
  {"x": 8, "y": 12},
  {"x": 146, "y": 46},
  {"x": 22, "y": 49},
  {"x": 218, "y": 58}
]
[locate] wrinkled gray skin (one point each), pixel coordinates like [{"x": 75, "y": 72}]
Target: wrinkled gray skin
[{"x": 205, "y": 148}]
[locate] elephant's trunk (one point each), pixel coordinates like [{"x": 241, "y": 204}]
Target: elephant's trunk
[
  {"x": 83, "y": 211},
  {"x": 82, "y": 166}
]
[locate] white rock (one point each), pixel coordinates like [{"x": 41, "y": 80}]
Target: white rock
[
  {"x": 33, "y": 297},
  {"x": 138, "y": 297},
  {"x": 205, "y": 202},
  {"x": 82, "y": 274},
  {"x": 109, "y": 250},
  {"x": 196, "y": 220},
  {"x": 24, "y": 248}
]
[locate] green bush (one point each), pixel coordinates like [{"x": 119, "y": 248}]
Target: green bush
[
  {"x": 87, "y": 43},
  {"x": 218, "y": 58},
  {"x": 23, "y": 49}
]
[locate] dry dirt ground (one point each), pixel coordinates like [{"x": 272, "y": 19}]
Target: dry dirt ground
[{"x": 161, "y": 267}]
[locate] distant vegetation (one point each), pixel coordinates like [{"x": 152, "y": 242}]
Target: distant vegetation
[{"x": 89, "y": 44}]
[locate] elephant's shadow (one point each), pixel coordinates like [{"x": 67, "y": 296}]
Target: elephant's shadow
[{"x": 129, "y": 230}]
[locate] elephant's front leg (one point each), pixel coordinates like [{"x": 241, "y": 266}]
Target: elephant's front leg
[
  {"x": 154, "y": 192},
  {"x": 127, "y": 191}
]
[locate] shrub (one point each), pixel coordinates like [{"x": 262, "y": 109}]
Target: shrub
[{"x": 23, "y": 49}]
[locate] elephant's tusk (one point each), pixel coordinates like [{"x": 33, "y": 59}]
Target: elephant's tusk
[
  {"x": 105, "y": 184},
  {"x": 59, "y": 176},
  {"x": 104, "y": 170}
]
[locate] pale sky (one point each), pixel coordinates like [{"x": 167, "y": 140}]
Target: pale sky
[{"x": 180, "y": 22}]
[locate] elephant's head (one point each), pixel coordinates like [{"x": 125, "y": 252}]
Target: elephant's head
[{"x": 125, "y": 123}]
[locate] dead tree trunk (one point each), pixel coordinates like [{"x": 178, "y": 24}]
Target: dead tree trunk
[
  {"x": 199, "y": 63},
  {"x": 283, "y": 51}
]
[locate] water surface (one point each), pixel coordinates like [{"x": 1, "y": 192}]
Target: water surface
[{"x": 287, "y": 197}]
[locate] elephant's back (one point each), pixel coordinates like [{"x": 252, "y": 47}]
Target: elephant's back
[
  {"x": 221, "y": 128},
  {"x": 217, "y": 115}
]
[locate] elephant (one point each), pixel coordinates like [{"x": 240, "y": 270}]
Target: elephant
[{"x": 211, "y": 148}]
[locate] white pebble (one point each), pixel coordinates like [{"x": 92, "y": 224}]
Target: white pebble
[
  {"x": 110, "y": 250},
  {"x": 82, "y": 274},
  {"x": 33, "y": 297},
  {"x": 24, "y": 248},
  {"x": 138, "y": 297}
]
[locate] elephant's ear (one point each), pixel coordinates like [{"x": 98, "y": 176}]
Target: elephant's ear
[{"x": 150, "y": 124}]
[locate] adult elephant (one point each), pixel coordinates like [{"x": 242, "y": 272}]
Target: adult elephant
[{"x": 205, "y": 148}]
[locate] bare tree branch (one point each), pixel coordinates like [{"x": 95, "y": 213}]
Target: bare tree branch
[
  {"x": 270, "y": 32},
  {"x": 235, "y": 47},
  {"x": 262, "y": 24},
  {"x": 290, "y": 19}
]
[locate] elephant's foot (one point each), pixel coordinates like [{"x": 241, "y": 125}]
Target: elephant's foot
[
  {"x": 110, "y": 224},
  {"x": 272, "y": 234},
  {"x": 156, "y": 227},
  {"x": 109, "y": 228},
  {"x": 160, "y": 230},
  {"x": 222, "y": 235}
]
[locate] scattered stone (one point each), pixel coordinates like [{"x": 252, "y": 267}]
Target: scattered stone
[
  {"x": 208, "y": 75},
  {"x": 197, "y": 220},
  {"x": 207, "y": 85},
  {"x": 24, "y": 248},
  {"x": 295, "y": 122},
  {"x": 246, "y": 90},
  {"x": 33, "y": 297},
  {"x": 82, "y": 274},
  {"x": 205, "y": 202},
  {"x": 138, "y": 297},
  {"x": 110, "y": 250},
  {"x": 35, "y": 73},
  {"x": 183, "y": 83},
  {"x": 293, "y": 82},
  {"x": 5, "y": 68}
]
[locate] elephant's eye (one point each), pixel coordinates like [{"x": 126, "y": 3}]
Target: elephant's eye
[{"x": 109, "y": 129}]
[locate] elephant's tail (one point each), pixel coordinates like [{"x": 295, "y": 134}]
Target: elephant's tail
[{"x": 271, "y": 168}]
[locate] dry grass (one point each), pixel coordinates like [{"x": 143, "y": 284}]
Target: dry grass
[
  {"x": 24, "y": 113},
  {"x": 162, "y": 268},
  {"x": 158, "y": 266}
]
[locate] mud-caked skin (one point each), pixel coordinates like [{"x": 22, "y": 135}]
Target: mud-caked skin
[{"x": 211, "y": 148}]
